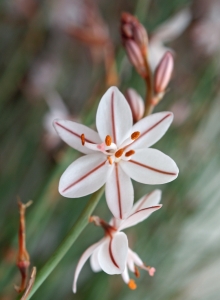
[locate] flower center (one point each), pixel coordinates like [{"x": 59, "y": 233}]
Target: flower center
[{"x": 114, "y": 153}]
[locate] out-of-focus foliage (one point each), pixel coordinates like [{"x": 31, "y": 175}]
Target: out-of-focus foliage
[{"x": 38, "y": 56}]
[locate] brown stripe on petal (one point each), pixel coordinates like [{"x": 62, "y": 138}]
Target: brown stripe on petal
[
  {"x": 151, "y": 168},
  {"x": 147, "y": 208},
  {"x": 74, "y": 133},
  {"x": 111, "y": 254},
  {"x": 118, "y": 190},
  {"x": 145, "y": 198},
  {"x": 149, "y": 129},
  {"x": 84, "y": 176},
  {"x": 113, "y": 118}
]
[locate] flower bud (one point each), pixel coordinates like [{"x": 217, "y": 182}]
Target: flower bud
[
  {"x": 140, "y": 37},
  {"x": 136, "y": 104},
  {"x": 135, "y": 57},
  {"x": 132, "y": 29},
  {"x": 163, "y": 73}
]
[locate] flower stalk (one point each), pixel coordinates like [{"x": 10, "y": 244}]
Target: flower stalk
[
  {"x": 23, "y": 258},
  {"x": 149, "y": 86},
  {"x": 67, "y": 242},
  {"x": 135, "y": 41}
]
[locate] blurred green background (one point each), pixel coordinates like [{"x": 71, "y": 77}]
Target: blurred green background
[{"x": 47, "y": 72}]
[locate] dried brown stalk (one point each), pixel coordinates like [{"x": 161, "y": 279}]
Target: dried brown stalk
[
  {"x": 30, "y": 284},
  {"x": 23, "y": 259}
]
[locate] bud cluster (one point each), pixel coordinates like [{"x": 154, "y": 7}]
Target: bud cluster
[{"x": 135, "y": 41}]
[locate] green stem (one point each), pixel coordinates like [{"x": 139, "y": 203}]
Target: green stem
[
  {"x": 150, "y": 88},
  {"x": 67, "y": 242}
]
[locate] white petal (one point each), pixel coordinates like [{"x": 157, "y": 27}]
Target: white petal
[
  {"x": 150, "y": 166},
  {"x": 130, "y": 262},
  {"x": 112, "y": 254},
  {"x": 82, "y": 261},
  {"x": 70, "y": 132},
  {"x": 151, "y": 129},
  {"x": 115, "y": 222},
  {"x": 119, "y": 192},
  {"x": 94, "y": 262},
  {"x": 138, "y": 216},
  {"x": 135, "y": 259},
  {"x": 174, "y": 26},
  {"x": 114, "y": 116},
  {"x": 151, "y": 199},
  {"x": 85, "y": 176},
  {"x": 125, "y": 275}
]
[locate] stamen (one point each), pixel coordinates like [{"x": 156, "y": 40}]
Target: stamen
[
  {"x": 132, "y": 285},
  {"x": 119, "y": 153},
  {"x": 151, "y": 270},
  {"x": 135, "y": 135},
  {"x": 129, "y": 153},
  {"x": 110, "y": 160},
  {"x": 83, "y": 139},
  {"x": 108, "y": 140},
  {"x": 136, "y": 272}
]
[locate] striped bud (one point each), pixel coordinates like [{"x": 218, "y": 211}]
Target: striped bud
[
  {"x": 140, "y": 37},
  {"x": 163, "y": 73},
  {"x": 136, "y": 104},
  {"x": 135, "y": 57}
]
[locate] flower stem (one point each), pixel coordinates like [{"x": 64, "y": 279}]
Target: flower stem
[
  {"x": 149, "y": 85},
  {"x": 68, "y": 241}
]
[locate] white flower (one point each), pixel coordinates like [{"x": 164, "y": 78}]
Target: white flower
[
  {"x": 112, "y": 254},
  {"x": 117, "y": 153}
]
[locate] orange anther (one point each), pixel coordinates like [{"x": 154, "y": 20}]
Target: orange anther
[
  {"x": 108, "y": 140},
  {"x": 129, "y": 153},
  {"x": 136, "y": 272},
  {"x": 132, "y": 285},
  {"x": 119, "y": 153},
  {"x": 135, "y": 135},
  {"x": 83, "y": 139},
  {"x": 110, "y": 160}
]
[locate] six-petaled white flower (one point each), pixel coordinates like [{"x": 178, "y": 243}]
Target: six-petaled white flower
[
  {"x": 112, "y": 254},
  {"x": 117, "y": 153}
]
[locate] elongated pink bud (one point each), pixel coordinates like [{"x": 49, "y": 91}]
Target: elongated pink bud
[
  {"x": 136, "y": 104},
  {"x": 163, "y": 73},
  {"x": 135, "y": 57}
]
